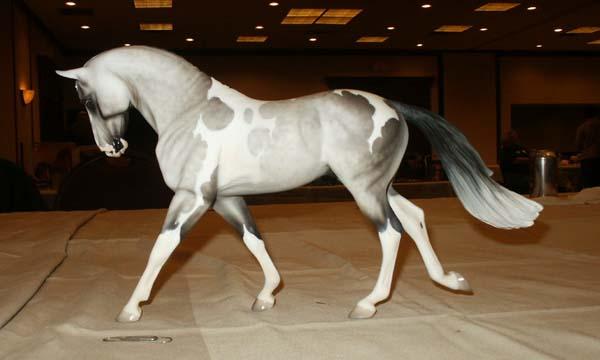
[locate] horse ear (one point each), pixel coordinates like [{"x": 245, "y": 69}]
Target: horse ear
[{"x": 75, "y": 74}]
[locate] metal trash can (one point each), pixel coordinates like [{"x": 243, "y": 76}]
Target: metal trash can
[{"x": 544, "y": 173}]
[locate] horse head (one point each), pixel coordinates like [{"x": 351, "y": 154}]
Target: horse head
[{"x": 106, "y": 98}]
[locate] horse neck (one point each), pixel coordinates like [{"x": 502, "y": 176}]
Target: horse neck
[{"x": 165, "y": 91}]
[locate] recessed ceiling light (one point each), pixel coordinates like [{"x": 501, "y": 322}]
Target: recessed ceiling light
[
  {"x": 152, "y": 4},
  {"x": 189, "y": 39},
  {"x": 312, "y": 39},
  {"x": 127, "y": 44},
  {"x": 372, "y": 39},
  {"x": 419, "y": 45},
  {"x": 156, "y": 26},
  {"x": 252, "y": 39},
  {"x": 497, "y": 6},
  {"x": 453, "y": 28},
  {"x": 273, "y": 3},
  {"x": 584, "y": 30},
  {"x": 538, "y": 46},
  {"x": 483, "y": 29},
  {"x": 70, "y": 3},
  {"x": 426, "y": 6},
  {"x": 391, "y": 28},
  {"x": 557, "y": 30},
  {"x": 85, "y": 27},
  {"x": 259, "y": 27},
  {"x": 531, "y": 8}
]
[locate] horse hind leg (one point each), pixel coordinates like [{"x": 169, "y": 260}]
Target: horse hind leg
[
  {"x": 389, "y": 229},
  {"x": 413, "y": 221}
]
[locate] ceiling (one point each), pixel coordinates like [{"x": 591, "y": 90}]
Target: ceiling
[{"x": 215, "y": 25}]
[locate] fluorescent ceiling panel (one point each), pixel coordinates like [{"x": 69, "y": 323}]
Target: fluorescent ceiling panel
[
  {"x": 372, "y": 39},
  {"x": 156, "y": 27},
  {"x": 326, "y": 20},
  {"x": 301, "y": 16},
  {"x": 497, "y": 6},
  {"x": 453, "y": 28},
  {"x": 305, "y": 12},
  {"x": 584, "y": 30},
  {"x": 252, "y": 39},
  {"x": 342, "y": 13},
  {"x": 298, "y": 20},
  {"x": 152, "y": 4}
]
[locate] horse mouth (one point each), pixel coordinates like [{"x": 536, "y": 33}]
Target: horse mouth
[{"x": 118, "y": 148}]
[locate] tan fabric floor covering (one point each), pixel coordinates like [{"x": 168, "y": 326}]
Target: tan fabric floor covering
[
  {"x": 537, "y": 290},
  {"x": 31, "y": 247}
]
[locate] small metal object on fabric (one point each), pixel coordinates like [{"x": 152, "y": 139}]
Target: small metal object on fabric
[{"x": 139, "y": 338}]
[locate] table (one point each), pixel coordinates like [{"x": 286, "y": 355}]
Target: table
[{"x": 65, "y": 276}]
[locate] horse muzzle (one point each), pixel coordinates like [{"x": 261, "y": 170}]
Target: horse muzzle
[{"x": 116, "y": 149}]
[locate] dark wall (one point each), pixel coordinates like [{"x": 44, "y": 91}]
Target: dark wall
[
  {"x": 7, "y": 84},
  {"x": 549, "y": 126}
]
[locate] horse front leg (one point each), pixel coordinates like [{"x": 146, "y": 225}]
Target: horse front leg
[
  {"x": 234, "y": 210},
  {"x": 184, "y": 211}
]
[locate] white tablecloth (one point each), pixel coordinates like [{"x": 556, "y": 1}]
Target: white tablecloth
[{"x": 537, "y": 290}]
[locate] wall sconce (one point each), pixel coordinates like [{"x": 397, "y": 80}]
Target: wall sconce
[{"x": 28, "y": 95}]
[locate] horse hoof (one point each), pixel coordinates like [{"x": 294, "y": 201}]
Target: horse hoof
[
  {"x": 362, "y": 311},
  {"x": 126, "y": 316},
  {"x": 461, "y": 283},
  {"x": 262, "y": 305}
]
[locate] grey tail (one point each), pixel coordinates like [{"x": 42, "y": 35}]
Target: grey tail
[{"x": 481, "y": 196}]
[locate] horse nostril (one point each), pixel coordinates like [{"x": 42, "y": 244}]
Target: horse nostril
[{"x": 117, "y": 145}]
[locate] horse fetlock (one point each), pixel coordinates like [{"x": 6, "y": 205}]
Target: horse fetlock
[
  {"x": 273, "y": 282},
  {"x": 380, "y": 294}
]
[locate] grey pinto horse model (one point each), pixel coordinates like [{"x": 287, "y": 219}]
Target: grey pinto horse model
[{"x": 216, "y": 145}]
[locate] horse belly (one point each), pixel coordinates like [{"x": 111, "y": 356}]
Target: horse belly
[{"x": 281, "y": 165}]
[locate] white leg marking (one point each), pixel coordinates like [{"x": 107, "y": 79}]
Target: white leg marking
[
  {"x": 413, "y": 221},
  {"x": 265, "y": 299},
  {"x": 390, "y": 240},
  {"x": 163, "y": 247}
]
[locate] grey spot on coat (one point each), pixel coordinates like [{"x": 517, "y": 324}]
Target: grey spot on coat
[
  {"x": 258, "y": 139},
  {"x": 217, "y": 115}
]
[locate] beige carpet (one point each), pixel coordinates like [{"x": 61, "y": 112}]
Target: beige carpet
[{"x": 537, "y": 290}]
